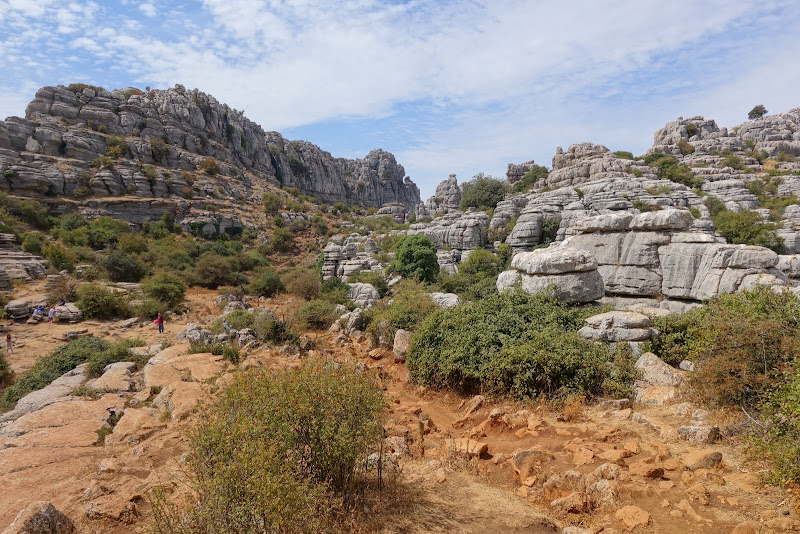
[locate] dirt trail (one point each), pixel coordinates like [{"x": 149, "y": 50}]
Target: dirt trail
[{"x": 594, "y": 466}]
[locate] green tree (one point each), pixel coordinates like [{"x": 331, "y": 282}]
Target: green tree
[
  {"x": 415, "y": 257},
  {"x": 757, "y": 112},
  {"x": 483, "y": 192}
]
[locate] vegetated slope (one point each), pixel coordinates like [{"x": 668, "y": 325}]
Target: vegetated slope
[{"x": 180, "y": 147}]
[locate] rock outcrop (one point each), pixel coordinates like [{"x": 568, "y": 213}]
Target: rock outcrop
[
  {"x": 128, "y": 152},
  {"x": 569, "y": 272}
]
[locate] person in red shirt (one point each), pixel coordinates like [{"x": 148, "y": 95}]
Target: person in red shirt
[{"x": 160, "y": 322}]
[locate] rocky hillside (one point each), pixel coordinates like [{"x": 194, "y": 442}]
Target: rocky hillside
[{"x": 129, "y": 153}]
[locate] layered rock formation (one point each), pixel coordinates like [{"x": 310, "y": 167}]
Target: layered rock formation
[
  {"x": 127, "y": 153},
  {"x": 569, "y": 272}
]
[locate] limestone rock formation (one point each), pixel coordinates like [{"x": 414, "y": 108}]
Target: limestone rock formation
[
  {"x": 570, "y": 272},
  {"x": 130, "y": 153}
]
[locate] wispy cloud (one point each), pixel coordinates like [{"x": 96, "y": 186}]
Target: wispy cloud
[{"x": 449, "y": 86}]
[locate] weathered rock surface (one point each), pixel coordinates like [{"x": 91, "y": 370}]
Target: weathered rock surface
[
  {"x": 50, "y": 152},
  {"x": 615, "y": 326},
  {"x": 570, "y": 272},
  {"x": 40, "y": 518},
  {"x": 363, "y": 295}
]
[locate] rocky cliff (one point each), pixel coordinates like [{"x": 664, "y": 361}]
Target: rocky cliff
[{"x": 129, "y": 152}]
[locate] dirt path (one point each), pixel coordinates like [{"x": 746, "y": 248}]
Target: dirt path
[{"x": 594, "y": 465}]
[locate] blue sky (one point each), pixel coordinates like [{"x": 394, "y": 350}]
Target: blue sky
[{"x": 448, "y": 87}]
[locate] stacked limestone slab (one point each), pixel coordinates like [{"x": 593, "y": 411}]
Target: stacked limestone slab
[
  {"x": 652, "y": 254},
  {"x": 570, "y": 273},
  {"x": 344, "y": 257}
]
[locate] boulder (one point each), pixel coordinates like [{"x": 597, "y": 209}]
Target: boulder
[
  {"x": 615, "y": 326},
  {"x": 40, "y": 518},
  {"x": 68, "y": 313},
  {"x": 363, "y": 295},
  {"x": 402, "y": 342},
  {"x": 554, "y": 260},
  {"x": 656, "y": 372},
  {"x": 445, "y": 300}
]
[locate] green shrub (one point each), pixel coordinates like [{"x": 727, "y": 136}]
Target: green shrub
[
  {"x": 315, "y": 315},
  {"x": 517, "y": 344},
  {"x": 279, "y": 451},
  {"x": 5, "y": 373},
  {"x": 32, "y": 242},
  {"x": 118, "y": 352},
  {"x": 482, "y": 192},
  {"x": 49, "y": 367},
  {"x": 28, "y": 211},
  {"x": 623, "y": 154},
  {"x": 210, "y": 167},
  {"x": 550, "y": 228},
  {"x": 106, "y": 231},
  {"x": 132, "y": 244},
  {"x": 59, "y": 257},
  {"x": 676, "y": 334},
  {"x": 644, "y": 207},
  {"x": 685, "y": 147},
  {"x": 97, "y": 302},
  {"x": 476, "y": 277},
  {"x": 410, "y": 306},
  {"x": 672, "y": 170},
  {"x": 526, "y": 183},
  {"x": 265, "y": 283},
  {"x": 122, "y": 267},
  {"x": 297, "y": 166},
  {"x": 715, "y": 205},
  {"x": 415, "y": 257},
  {"x": 742, "y": 343},
  {"x": 733, "y": 161},
  {"x": 336, "y": 291},
  {"x": 166, "y": 288},
  {"x": 748, "y": 228},
  {"x": 281, "y": 239},
  {"x": 213, "y": 270},
  {"x": 779, "y": 439},
  {"x": 272, "y": 203}
]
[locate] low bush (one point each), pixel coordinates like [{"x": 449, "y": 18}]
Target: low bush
[
  {"x": 676, "y": 332},
  {"x": 410, "y": 306},
  {"x": 118, "y": 352},
  {"x": 279, "y": 452},
  {"x": 482, "y": 192},
  {"x": 336, "y": 291},
  {"x": 213, "y": 270},
  {"x": 303, "y": 282},
  {"x": 314, "y": 315},
  {"x": 59, "y": 257},
  {"x": 98, "y": 302},
  {"x": 165, "y": 287},
  {"x": 746, "y": 347},
  {"x": 265, "y": 283},
  {"x": 49, "y": 367},
  {"x": 526, "y": 183},
  {"x": 747, "y": 228},
  {"x": 123, "y": 267},
  {"x": 516, "y": 344}
]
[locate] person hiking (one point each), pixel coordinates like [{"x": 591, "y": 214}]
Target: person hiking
[
  {"x": 160, "y": 322},
  {"x": 9, "y": 344}
]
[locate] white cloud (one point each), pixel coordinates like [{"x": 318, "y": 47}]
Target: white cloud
[
  {"x": 148, "y": 8},
  {"x": 502, "y": 81}
]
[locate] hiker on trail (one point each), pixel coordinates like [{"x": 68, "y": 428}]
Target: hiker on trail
[
  {"x": 9, "y": 344},
  {"x": 160, "y": 322}
]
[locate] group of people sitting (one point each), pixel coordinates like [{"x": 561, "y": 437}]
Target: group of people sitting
[{"x": 40, "y": 312}]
